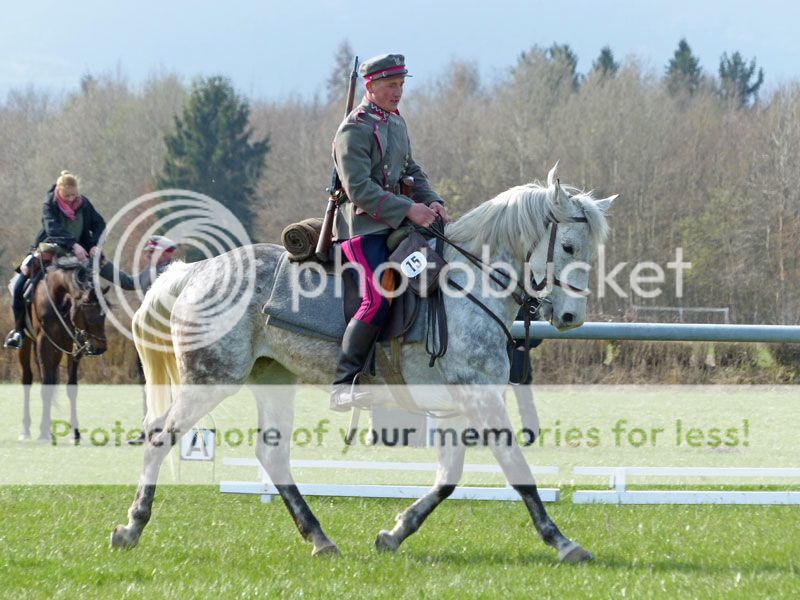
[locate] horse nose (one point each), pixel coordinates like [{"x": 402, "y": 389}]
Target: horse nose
[
  {"x": 93, "y": 350},
  {"x": 568, "y": 318}
]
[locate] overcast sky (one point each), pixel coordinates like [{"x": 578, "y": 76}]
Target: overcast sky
[{"x": 272, "y": 49}]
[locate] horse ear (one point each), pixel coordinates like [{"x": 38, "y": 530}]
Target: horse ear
[
  {"x": 551, "y": 176},
  {"x": 560, "y": 198},
  {"x": 605, "y": 203}
]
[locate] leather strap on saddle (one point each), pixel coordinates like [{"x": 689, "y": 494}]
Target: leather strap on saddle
[{"x": 392, "y": 374}]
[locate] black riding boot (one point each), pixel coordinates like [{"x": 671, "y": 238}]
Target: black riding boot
[
  {"x": 359, "y": 337},
  {"x": 15, "y": 336}
]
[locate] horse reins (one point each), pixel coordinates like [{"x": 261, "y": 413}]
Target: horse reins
[
  {"x": 519, "y": 294},
  {"x": 78, "y": 345}
]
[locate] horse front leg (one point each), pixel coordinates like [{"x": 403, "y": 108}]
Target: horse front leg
[
  {"x": 72, "y": 393},
  {"x": 451, "y": 467},
  {"x": 491, "y": 420},
  {"x": 157, "y": 446},
  {"x": 275, "y": 421},
  {"x": 27, "y": 380},
  {"x": 49, "y": 358}
]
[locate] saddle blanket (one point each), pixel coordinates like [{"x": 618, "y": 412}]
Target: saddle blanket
[{"x": 302, "y": 302}]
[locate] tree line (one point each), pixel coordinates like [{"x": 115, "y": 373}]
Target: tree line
[{"x": 703, "y": 160}]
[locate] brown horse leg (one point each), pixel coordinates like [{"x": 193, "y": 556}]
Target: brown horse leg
[
  {"x": 72, "y": 393},
  {"x": 491, "y": 416},
  {"x": 451, "y": 466},
  {"x": 49, "y": 358},
  {"x": 27, "y": 380},
  {"x": 275, "y": 418}
]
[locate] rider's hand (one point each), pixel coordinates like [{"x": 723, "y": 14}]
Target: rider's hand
[
  {"x": 79, "y": 252},
  {"x": 440, "y": 210},
  {"x": 421, "y": 215}
]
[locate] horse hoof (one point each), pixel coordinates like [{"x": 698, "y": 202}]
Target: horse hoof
[
  {"x": 574, "y": 554},
  {"x": 121, "y": 538},
  {"x": 328, "y": 549},
  {"x": 76, "y": 437},
  {"x": 386, "y": 542},
  {"x": 44, "y": 439},
  {"x": 24, "y": 437}
]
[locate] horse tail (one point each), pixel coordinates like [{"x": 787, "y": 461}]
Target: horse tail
[{"x": 152, "y": 335}]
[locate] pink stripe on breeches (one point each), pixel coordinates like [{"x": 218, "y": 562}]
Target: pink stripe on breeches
[{"x": 370, "y": 252}]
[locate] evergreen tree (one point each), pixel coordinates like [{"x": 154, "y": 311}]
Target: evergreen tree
[
  {"x": 683, "y": 71},
  {"x": 605, "y": 64},
  {"x": 735, "y": 76},
  {"x": 210, "y": 151},
  {"x": 562, "y": 55},
  {"x": 339, "y": 78}
]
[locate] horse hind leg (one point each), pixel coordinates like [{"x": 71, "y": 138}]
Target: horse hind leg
[
  {"x": 276, "y": 413},
  {"x": 451, "y": 467},
  {"x": 190, "y": 405}
]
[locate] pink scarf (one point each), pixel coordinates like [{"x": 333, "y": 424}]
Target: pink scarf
[{"x": 67, "y": 209}]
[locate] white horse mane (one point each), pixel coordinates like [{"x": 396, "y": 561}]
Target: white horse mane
[{"x": 517, "y": 218}]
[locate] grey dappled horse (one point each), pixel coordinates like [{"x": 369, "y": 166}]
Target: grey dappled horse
[{"x": 526, "y": 223}]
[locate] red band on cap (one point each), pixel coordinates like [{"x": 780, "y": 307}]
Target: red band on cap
[{"x": 388, "y": 71}]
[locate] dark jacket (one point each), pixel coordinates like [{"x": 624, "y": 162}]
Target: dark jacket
[{"x": 54, "y": 230}]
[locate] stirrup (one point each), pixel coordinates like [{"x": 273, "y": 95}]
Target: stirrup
[
  {"x": 13, "y": 340},
  {"x": 347, "y": 395}
]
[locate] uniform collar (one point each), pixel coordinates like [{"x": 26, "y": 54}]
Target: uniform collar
[{"x": 377, "y": 110}]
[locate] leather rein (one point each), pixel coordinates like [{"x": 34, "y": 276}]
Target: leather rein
[
  {"x": 520, "y": 294},
  {"x": 80, "y": 337}
]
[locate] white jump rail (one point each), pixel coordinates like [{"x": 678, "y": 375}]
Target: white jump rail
[
  {"x": 267, "y": 490},
  {"x": 619, "y": 494}
]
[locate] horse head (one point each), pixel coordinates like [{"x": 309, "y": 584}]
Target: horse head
[
  {"x": 87, "y": 313},
  {"x": 576, "y": 227}
]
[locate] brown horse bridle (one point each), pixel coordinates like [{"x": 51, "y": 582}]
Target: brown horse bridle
[{"x": 80, "y": 337}]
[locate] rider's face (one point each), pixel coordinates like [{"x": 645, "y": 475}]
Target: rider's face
[
  {"x": 386, "y": 93},
  {"x": 69, "y": 193}
]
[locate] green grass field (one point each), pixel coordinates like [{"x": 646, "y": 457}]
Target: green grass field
[{"x": 54, "y": 543}]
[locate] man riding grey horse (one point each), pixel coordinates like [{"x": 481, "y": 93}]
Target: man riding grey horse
[{"x": 372, "y": 153}]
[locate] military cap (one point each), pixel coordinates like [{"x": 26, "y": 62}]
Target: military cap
[{"x": 383, "y": 66}]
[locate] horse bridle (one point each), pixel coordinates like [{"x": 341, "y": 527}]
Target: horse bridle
[
  {"x": 551, "y": 249},
  {"x": 80, "y": 337},
  {"x": 520, "y": 293}
]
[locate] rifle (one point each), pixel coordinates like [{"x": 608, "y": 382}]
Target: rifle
[{"x": 335, "y": 192}]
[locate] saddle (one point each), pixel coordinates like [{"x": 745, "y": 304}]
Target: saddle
[{"x": 313, "y": 300}]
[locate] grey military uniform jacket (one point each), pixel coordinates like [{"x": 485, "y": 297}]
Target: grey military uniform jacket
[{"x": 372, "y": 153}]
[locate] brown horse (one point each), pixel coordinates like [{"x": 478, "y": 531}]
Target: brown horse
[{"x": 66, "y": 318}]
